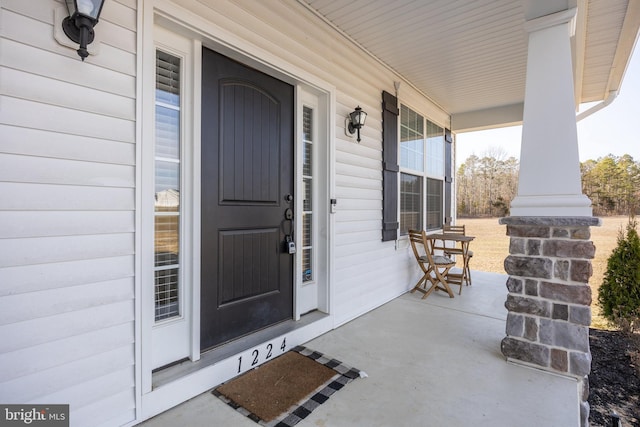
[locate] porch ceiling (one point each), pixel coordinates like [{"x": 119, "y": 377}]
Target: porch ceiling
[{"x": 470, "y": 56}]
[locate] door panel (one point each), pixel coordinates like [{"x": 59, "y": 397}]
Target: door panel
[
  {"x": 238, "y": 279},
  {"x": 250, "y": 144},
  {"x": 247, "y": 170}
]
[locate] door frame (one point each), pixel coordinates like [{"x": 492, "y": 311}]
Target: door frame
[
  {"x": 167, "y": 16},
  {"x": 245, "y": 224}
]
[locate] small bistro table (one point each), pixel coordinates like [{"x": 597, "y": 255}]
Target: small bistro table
[{"x": 462, "y": 250}]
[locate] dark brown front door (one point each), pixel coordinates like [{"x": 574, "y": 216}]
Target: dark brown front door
[{"x": 247, "y": 174}]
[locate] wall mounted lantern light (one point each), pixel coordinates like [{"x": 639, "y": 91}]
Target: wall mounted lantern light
[
  {"x": 78, "y": 26},
  {"x": 355, "y": 121}
]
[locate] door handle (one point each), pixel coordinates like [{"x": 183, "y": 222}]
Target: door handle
[{"x": 288, "y": 237}]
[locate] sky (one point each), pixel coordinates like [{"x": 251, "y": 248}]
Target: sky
[{"x": 612, "y": 130}]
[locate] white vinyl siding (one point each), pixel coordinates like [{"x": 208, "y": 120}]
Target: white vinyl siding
[
  {"x": 67, "y": 179},
  {"x": 362, "y": 262}
]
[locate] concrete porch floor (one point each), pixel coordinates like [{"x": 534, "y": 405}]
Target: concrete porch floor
[{"x": 429, "y": 362}]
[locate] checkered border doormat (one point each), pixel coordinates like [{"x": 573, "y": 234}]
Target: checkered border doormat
[{"x": 345, "y": 374}]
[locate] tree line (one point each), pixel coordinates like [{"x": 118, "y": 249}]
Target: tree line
[
  {"x": 613, "y": 184},
  {"x": 486, "y": 185}
]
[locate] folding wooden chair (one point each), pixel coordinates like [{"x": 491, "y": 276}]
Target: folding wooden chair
[
  {"x": 453, "y": 229},
  {"x": 459, "y": 229},
  {"x": 435, "y": 268}
]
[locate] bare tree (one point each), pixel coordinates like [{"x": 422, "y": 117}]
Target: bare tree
[{"x": 487, "y": 185}]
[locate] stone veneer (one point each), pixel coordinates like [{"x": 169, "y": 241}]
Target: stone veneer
[{"x": 549, "y": 300}]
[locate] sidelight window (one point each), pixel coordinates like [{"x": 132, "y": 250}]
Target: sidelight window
[
  {"x": 307, "y": 206},
  {"x": 167, "y": 187}
]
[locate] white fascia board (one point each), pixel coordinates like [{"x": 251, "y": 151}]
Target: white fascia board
[{"x": 629, "y": 35}]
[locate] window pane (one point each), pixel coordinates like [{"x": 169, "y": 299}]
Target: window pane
[
  {"x": 167, "y": 78},
  {"x": 306, "y": 161},
  {"x": 167, "y": 176},
  {"x": 411, "y": 139},
  {"x": 166, "y": 239},
  {"x": 307, "y": 273},
  {"x": 410, "y": 203},
  {"x": 435, "y": 149},
  {"x": 434, "y": 204},
  {"x": 167, "y": 132},
  {"x": 306, "y": 202},
  {"x": 306, "y": 229},
  {"x": 166, "y": 291},
  {"x": 306, "y": 123}
]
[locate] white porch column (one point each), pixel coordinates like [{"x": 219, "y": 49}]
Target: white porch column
[
  {"x": 549, "y": 262},
  {"x": 549, "y": 183}
]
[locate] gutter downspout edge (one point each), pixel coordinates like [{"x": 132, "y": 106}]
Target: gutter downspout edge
[{"x": 612, "y": 96}]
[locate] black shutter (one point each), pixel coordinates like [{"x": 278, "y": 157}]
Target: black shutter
[
  {"x": 390, "y": 167},
  {"x": 448, "y": 175}
]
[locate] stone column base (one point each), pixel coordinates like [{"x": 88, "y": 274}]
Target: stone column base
[{"x": 549, "y": 300}]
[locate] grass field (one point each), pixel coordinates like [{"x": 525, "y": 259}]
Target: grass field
[{"x": 491, "y": 247}]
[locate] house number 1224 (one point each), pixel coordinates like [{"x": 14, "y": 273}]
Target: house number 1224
[{"x": 268, "y": 352}]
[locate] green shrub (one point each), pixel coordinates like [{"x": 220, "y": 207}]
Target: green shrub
[{"x": 619, "y": 294}]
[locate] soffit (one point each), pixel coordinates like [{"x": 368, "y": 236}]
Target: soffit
[
  {"x": 470, "y": 55},
  {"x": 611, "y": 34}
]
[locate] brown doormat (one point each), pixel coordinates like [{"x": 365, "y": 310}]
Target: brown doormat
[{"x": 287, "y": 389}]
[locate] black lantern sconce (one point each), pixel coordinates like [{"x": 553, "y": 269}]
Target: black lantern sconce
[
  {"x": 78, "y": 26},
  {"x": 355, "y": 121}
]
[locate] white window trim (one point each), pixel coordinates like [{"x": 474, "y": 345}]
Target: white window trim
[
  {"x": 315, "y": 293},
  {"x": 423, "y": 174},
  {"x": 189, "y": 52}
]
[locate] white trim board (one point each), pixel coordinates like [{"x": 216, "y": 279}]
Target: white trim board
[{"x": 189, "y": 386}]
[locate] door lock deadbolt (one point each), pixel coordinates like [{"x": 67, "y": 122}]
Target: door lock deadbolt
[{"x": 288, "y": 214}]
